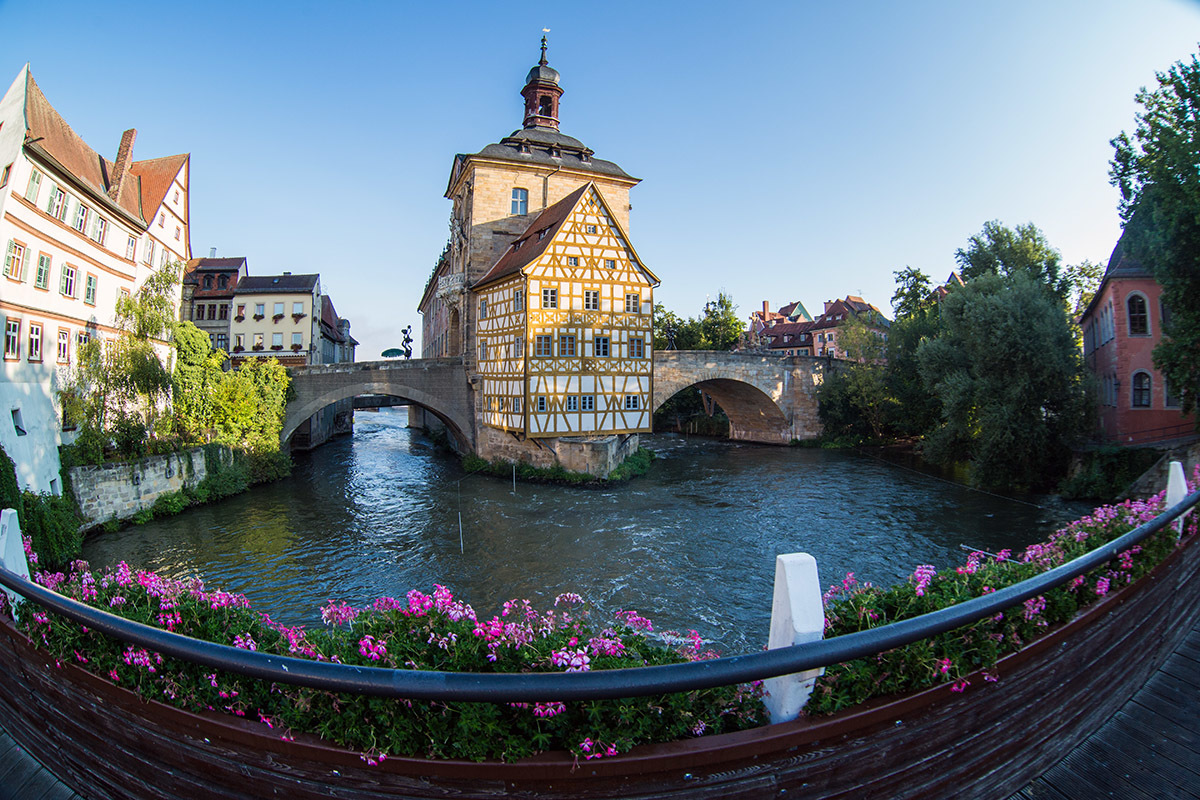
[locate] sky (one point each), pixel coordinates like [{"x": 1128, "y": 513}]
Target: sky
[{"x": 787, "y": 151}]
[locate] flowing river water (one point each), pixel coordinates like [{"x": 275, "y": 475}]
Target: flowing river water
[{"x": 692, "y": 544}]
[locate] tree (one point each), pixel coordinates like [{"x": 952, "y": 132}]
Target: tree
[
  {"x": 1010, "y": 380},
  {"x": 862, "y": 384},
  {"x": 718, "y": 328},
  {"x": 917, "y": 321},
  {"x": 195, "y": 380},
  {"x": 997, "y": 250},
  {"x": 1157, "y": 170}
]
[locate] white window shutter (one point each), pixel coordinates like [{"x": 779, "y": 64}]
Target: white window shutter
[{"x": 24, "y": 263}]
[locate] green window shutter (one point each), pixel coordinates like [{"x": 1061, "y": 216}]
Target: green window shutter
[
  {"x": 24, "y": 263},
  {"x": 62, "y": 280},
  {"x": 8, "y": 256},
  {"x": 50, "y": 198}
]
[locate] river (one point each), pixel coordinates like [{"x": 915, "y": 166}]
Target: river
[{"x": 691, "y": 544}]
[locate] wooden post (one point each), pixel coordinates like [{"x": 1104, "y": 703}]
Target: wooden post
[
  {"x": 12, "y": 551},
  {"x": 1176, "y": 491},
  {"x": 797, "y": 616}
]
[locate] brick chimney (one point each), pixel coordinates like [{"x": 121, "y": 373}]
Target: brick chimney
[
  {"x": 766, "y": 308},
  {"x": 121, "y": 166}
]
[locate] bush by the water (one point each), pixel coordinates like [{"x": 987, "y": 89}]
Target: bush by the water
[
  {"x": 1105, "y": 473},
  {"x": 51, "y": 521},
  {"x": 638, "y": 463}
]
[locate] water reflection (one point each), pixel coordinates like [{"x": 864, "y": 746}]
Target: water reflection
[{"x": 691, "y": 545}]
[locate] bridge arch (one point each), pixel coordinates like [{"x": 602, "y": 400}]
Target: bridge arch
[{"x": 439, "y": 387}]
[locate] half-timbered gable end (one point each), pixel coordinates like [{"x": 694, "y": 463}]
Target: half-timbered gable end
[{"x": 565, "y": 326}]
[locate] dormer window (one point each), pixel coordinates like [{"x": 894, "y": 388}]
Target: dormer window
[
  {"x": 523, "y": 147},
  {"x": 555, "y": 151},
  {"x": 542, "y": 233}
]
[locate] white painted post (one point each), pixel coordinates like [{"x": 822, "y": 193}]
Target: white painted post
[
  {"x": 12, "y": 551},
  {"x": 1176, "y": 491},
  {"x": 797, "y": 616}
]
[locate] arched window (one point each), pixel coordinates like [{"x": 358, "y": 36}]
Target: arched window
[
  {"x": 208, "y": 281},
  {"x": 1139, "y": 320},
  {"x": 545, "y": 107},
  {"x": 520, "y": 201},
  {"x": 223, "y": 282},
  {"x": 1141, "y": 390}
]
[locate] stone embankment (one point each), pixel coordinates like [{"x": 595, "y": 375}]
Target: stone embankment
[{"x": 120, "y": 490}]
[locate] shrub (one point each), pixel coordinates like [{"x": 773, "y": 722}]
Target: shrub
[
  {"x": 170, "y": 504},
  {"x": 129, "y": 436},
  {"x": 1106, "y": 472},
  {"x": 52, "y": 525},
  {"x": 142, "y": 516}
]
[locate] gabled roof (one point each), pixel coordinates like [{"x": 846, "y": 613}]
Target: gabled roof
[
  {"x": 277, "y": 284},
  {"x": 796, "y": 331},
  {"x": 531, "y": 244},
  {"x": 1120, "y": 265},
  {"x": 48, "y": 134},
  {"x": 837, "y": 311}
]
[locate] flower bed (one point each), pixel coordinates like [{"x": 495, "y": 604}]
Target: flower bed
[
  {"x": 430, "y": 632},
  {"x": 953, "y": 656}
]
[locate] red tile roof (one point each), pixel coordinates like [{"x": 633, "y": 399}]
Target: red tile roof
[{"x": 48, "y": 132}]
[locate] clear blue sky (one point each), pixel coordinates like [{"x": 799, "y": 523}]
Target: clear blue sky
[{"x": 788, "y": 151}]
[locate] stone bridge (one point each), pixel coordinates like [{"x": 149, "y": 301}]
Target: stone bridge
[
  {"x": 767, "y": 398},
  {"x": 439, "y": 385}
]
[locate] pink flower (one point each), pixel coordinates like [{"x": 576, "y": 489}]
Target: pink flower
[
  {"x": 1034, "y": 606},
  {"x": 573, "y": 660},
  {"x": 1102, "y": 587},
  {"x": 551, "y": 709},
  {"x": 371, "y": 648},
  {"x": 338, "y": 613},
  {"x": 245, "y": 642},
  {"x": 923, "y": 575},
  {"x": 633, "y": 620},
  {"x": 944, "y": 665}
]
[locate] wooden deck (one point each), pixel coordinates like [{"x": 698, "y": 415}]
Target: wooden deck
[{"x": 1149, "y": 749}]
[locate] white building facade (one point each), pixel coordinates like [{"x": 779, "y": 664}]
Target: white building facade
[{"x": 78, "y": 232}]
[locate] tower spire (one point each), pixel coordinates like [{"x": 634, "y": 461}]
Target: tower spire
[{"x": 541, "y": 93}]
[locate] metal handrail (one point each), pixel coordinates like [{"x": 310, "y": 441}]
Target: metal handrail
[{"x": 594, "y": 685}]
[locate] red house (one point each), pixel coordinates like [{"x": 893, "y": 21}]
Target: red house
[{"x": 1121, "y": 327}]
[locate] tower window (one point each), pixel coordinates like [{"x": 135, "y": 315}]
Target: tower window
[
  {"x": 1139, "y": 323},
  {"x": 545, "y": 106},
  {"x": 520, "y": 201}
]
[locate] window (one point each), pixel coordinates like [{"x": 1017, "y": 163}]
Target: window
[
  {"x": 66, "y": 283},
  {"x": 82, "y": 338},
  {"x": 14, "y": 260},
  {"x": 241, "y": 312},
  {"x": 208, "y": 281},
  {"x": 222, "y": 341},
  {"x": 12, "y": 338},
  {"x": 35, "y": 186},
  {"x": 637, "y": 348},
  {"x": 162, "y": 217},
  {"x": 131, "y": 248},
  {"x": 591, "y": 300},
  {"x": 519, "y": 300},
  {"x": 587, "y": 402},
  {"x": 566, "y": 345},
  {"x": 572, "y": 261},
  {"x": 572, "y": 403},
  {"x": 1170, "y": 399},
  {"x": 162, "y": 257},
  {"x": 57, "y": 207},
  {"x": 81, "y": 217},
  {"x": 610, "y": 263},
  {"x": 278, "y": 310},
  {"x": 35, "y": 341},
  {"x": 520, "y": 201},
  {"x": 549, "y": 298},
  {"x": 258, "y": 341},
  {"x": 483, "y": 308},
  {"x": 543, "y": 346},
  {"x": 260, "y": 310},
  {"x": 633, "y": 402},
  {"x": 178, "y": 232},
  {"x": 483, "y": 350},
  {"x": 177, "y": 196},
  {"x": 198, "y": 311},
  {"x": 542, "y": 233},
  {"x": 516, "y": 403},
  {"x": 100, "y": 230},
  {"x": 239, "y": 341},
  {"x": 541, "y": 403},
  {"x": 1141, "y": 390},
  {"x": 601, "y": 347},
  {"x": 89, "y": 290},
  {"x": 591, "y": 229},
  {"x": 298, "y": 309},
  {"x": 5, "y": 174},
  {"x": 212, "y": 311},
  {"x": 633, "y": 304},
  {"x": 297, "y": 340},
  {"x": 276, "y": 340},
  {"x": 519, "y": 348},
  {"x": 18, "y": 422},
  {"x": 148, "y": 256},
  {"x": 223, "y": 311},
  {"x": 1139, "y": 322},
  {"x": 223, "y": 282},
  {"x": 64, "y": 346}
]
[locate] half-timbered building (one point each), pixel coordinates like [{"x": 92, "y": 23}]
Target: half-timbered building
[{"x": 565, "y": 326}]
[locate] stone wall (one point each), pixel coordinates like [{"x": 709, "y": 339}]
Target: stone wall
[{"x": 120, "y": 490}]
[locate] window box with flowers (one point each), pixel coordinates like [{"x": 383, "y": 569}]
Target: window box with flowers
[
  {"x": 298, "y": 317},
  {"x": 297, "y": 347},
  {"x": 258, "y": 316},
  {"x": 276, "y": 347},
  {"x": 240, "y": 318},
  {"x": 277, "y": 317},
  {"x": 257, "y": 347},
  {"x": 237, "y": 348}
]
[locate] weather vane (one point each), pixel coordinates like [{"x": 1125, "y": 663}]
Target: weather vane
[{"x": 544, "y": 32}]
